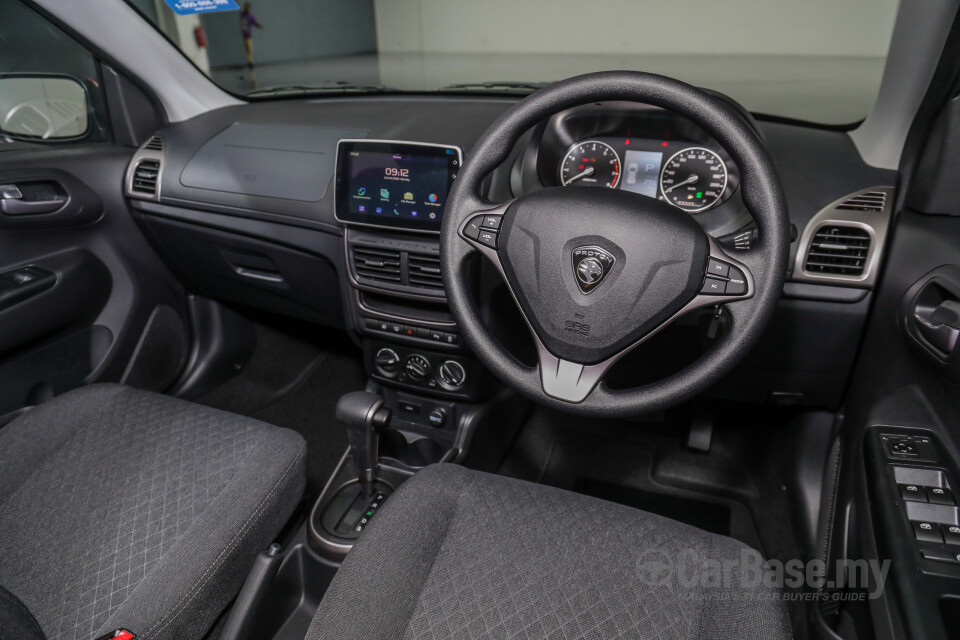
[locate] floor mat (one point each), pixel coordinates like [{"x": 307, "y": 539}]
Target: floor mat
[{"x": 294, "y": 381}]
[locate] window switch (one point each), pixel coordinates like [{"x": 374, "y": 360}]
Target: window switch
[
  {"x": 927, "y": 532},
  {"x": 913, "y": 493},
  {"x": 951, "y": 533},
  {"x": 938, "y": 495}
]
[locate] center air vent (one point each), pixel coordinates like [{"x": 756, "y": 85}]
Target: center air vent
[
  {"x": 423, "y": 270},
  {"x": 869, "y": 201},
  {"x": 838, "y": 250},
  {"x": 154, "y": 144},
  {"x": 382, "y": 265},
  {"x": 145, "y": 177}
]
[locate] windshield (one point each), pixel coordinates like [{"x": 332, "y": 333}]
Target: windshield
[{"x": 816, "y": 60}]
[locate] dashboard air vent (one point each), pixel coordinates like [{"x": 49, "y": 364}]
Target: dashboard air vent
[
  {"x": 154, "y": 144},
  {"x": 382, "y": 265},
  {"x": 838, "y": 250},
  {"x": 145, "y": 177},
  {"x": 423, "y": 270},
  {"x": 869, "y": 201}
]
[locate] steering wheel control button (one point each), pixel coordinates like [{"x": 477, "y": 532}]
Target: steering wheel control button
[
  {"x": 927, "y": 532},
  {"x": 737, "y": 286},
  {"x": 492, "y": 222},
  {"x": 939, "y": 495},
  {"x": 913, "y": 493},
  {"x": 591, "y": 264},
  {"x": 472, "y": 230},
  {"x": 488, "y": 238},
  {"x": 717, "y": 269},
  {"x": 713, "y": 287}
]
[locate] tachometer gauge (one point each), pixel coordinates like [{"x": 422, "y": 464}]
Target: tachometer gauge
[
  {"x": 590, "y": 164},
  {"x": 693, "y": 179}
]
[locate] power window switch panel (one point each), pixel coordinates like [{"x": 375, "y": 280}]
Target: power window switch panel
[
  {"x": 951, "y": 533},
  {"x": 939, "y": 495},
  {"x": 927, "y": 532},
  {"x": 913, "y": 493}
]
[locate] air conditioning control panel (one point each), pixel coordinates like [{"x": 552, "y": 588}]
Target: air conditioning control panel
[{"x": 413, "y": 368}]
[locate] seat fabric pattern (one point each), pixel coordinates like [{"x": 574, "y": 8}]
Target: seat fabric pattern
[
  {"x": 466, "y": 555},
  {"x": 122, "y": 508}
]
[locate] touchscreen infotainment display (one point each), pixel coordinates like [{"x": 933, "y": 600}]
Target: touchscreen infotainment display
[{"x": 394, "y": 184}]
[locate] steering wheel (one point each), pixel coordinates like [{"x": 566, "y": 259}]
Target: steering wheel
[{"x": 596, "y": 272}]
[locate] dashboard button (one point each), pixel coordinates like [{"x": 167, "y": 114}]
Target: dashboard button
[
  {"x": 451, "y": 338},
  {"x": 714, "y": 287},
  {"x": 488, "y": 238},
  {"x": 491, "y": 222},
  {"x": 940, "y": 556},
  {"x": 738, "y": 282},
  {"x": 927, "y": 532},
  {"x": 717, "y": 268},
  {"x": 472, "y": 230}
]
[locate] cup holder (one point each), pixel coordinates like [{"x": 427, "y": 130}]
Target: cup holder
[{"x": 417, "y": 454}]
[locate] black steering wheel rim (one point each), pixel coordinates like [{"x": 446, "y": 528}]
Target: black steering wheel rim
[{"x": 761, "y": 192}]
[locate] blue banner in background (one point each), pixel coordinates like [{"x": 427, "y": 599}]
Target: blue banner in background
[{"x": 188, "y": 7}]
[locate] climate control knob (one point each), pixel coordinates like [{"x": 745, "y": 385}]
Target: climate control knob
[
  {"x": 417, "y": 367},
  {"x": 452, "y": 375},
  {"x": 387, "y": 362}
]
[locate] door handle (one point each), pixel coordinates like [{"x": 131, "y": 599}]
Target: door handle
[
  {"x": 940, "y": 326},
  {"x": 32, "y": 199}
]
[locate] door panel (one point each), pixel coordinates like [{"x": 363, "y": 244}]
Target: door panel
[{"x": 93, "y": 281}]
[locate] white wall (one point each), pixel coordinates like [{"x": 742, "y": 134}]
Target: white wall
[{"x": 764, "y": 27}]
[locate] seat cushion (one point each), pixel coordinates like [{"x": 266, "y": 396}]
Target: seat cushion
[
  {"x": 122, "y": 508},
  {"x": 460, "y": 554}
]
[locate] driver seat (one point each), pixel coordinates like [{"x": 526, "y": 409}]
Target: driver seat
[{"x": 460, "y": 554}]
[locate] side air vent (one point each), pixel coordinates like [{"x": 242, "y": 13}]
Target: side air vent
[
  {"x": 423, "y": 270},
  {"x": 870, "y": 201},
  {"x": 154, "y": 144},
  {"x": 838, "y": 250},
  {"x": 145, "y": 177},
  {"x": 382, "y": 265}
]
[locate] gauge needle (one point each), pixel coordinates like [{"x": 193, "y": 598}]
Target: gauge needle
[
  {"x": 693, "y": 179},
  {"x": 589, "y": 171}
]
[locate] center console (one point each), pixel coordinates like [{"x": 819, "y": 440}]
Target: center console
[{"x": 428, "y": 391}]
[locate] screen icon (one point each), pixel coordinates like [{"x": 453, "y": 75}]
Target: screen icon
[
  {"x": 379, "y": 210},
  {"x": 395, "y": 212},
  {"x": 433, "y": 197},
  {"x": 362, "y": 191},
  {"x": 413, "y": 214},
  {"x": 363, "y": 208},
  {"x": 433, "y": 216},
  {"x": 408, "y": 196},
  {"x": 385, "y": 194}
]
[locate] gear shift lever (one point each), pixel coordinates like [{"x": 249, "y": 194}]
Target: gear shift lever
[{"x": 364, "y": 416}]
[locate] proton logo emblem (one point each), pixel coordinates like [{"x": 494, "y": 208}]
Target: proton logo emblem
[{"x": 590, "y": 266}]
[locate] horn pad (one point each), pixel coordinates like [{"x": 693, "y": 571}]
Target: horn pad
[{"x": 594, "y": 269}]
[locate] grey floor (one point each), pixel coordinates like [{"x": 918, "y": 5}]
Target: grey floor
[{"x": 821, "y": 89}]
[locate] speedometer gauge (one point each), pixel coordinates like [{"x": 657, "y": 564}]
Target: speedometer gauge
[
  {"x": 590, "y": 164},
  {"x": 693, "y": 179}
]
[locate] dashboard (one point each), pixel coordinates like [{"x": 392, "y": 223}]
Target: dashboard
[{"x": 259, "y": 205}]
